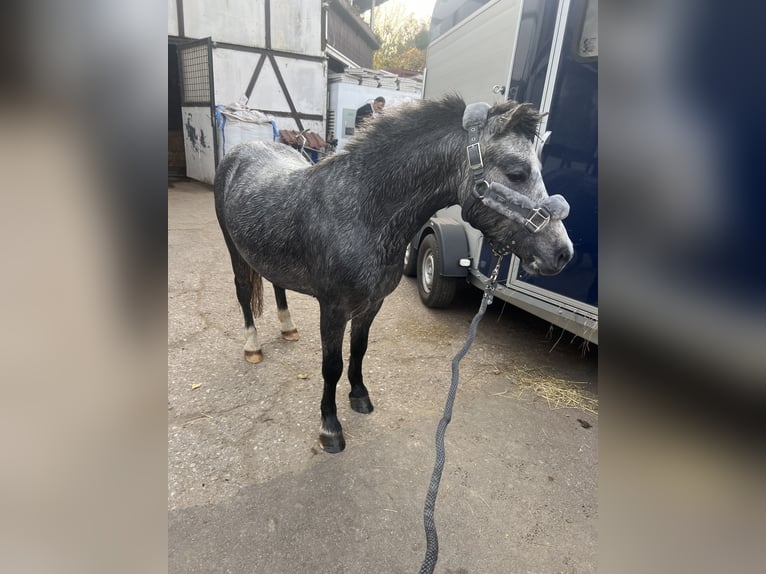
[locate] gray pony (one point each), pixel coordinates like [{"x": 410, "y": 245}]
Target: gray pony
[{"x": 338, "y": 230}]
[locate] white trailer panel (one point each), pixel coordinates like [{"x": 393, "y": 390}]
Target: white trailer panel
[{"x": 480, "y": 47}]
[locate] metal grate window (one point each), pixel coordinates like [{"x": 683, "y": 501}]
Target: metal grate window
[{"x": 195, "y": 69}]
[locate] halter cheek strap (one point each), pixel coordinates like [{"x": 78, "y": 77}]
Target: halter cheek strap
[
  {"x": 474, "y": 119},
  {"x": 505, "y": 201}
]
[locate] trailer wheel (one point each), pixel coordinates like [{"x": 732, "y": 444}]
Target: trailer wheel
[
  {"x": 410, "y": 267},
  {"x": 435, "y": 290}
]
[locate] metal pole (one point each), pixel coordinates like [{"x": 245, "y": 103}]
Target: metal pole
[{"x": 372, "y": 15}]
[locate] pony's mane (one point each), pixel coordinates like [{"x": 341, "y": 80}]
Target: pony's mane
[
  {"x": 424, "y": 116},
  {"x": 419, "y": 116}
]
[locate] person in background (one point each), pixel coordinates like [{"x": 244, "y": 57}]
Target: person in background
[{"x": 369, "y": 110}]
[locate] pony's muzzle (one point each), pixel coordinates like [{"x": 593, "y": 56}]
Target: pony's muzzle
[
  {"x": 556, "y": 263},
  {"x": 564, "y": 256}
]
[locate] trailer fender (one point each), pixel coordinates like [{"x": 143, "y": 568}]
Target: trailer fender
[{"x": 453, "y": 244}]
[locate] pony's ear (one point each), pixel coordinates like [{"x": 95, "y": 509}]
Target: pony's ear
[{"x": 523, "y": 118}]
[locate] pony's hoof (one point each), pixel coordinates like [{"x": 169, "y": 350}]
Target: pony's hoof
[
  {"x": 332, "y": 442},
  {"x": 291, "y": 335},
  {"x": 361, "y": 404},
  {"x": 253, "y": 356}
]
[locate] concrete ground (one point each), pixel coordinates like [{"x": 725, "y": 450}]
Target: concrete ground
[{"x": 250, "y": 491}]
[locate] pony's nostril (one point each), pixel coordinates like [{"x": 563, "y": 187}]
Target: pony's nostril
[{"x": 565, "y": 256}]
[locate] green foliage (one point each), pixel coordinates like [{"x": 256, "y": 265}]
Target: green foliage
[
  {"x": 421, "y": 39},
  {"x": 403, "y": 39}
]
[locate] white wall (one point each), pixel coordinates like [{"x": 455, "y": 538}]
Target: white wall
[
  {"x": 172, "y": 18},
  {"x": 346, "y": 98},
  {"x": 232, "y": 71},
  {"x": 234, "y": 21},
  {"x": 296, "y": 25},
  {"x": 305, "y": 81},
  {"x": 199, "y": 143}
]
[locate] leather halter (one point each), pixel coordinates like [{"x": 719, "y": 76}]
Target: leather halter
[{"x": 533, "y": 217}]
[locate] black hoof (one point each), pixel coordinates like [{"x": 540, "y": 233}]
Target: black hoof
[
  {"x": 361, "y": 404},
  {"x": 332, "y": 442}
]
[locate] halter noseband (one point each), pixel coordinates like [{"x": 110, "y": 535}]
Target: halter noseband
[{"x": 501, "y": 199}]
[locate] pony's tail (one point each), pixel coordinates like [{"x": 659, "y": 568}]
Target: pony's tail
[{"x": 256, "y": 299}]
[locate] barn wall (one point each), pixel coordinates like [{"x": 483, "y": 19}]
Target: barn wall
[
  {"x": 172, "y": 18},
  {"x": 235, "y": 21},
  {"x": 350, "y": 36},
  {"x": 296, "y": 25},
  {"x": 240, "y": 37},
  {"x": 305, "y": 80}
]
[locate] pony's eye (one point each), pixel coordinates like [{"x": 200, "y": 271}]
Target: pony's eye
[{"x": 517, "y": 176}]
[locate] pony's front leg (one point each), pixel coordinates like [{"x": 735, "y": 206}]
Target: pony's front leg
[
  {"x": 332, "y": 325},
  {"x": 360, "y": 332}
]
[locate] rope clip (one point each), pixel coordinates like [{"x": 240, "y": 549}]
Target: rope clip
[{"x": 489, "y": 290}]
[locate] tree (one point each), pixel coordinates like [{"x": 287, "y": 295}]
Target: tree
[{"x": 403, "y": 38}]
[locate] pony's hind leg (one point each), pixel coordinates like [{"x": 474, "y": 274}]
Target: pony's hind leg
[
  {"x": 289, "y": 332},
  {"x": 249, "y": 294},
  {"x": 360, "y": 331}
]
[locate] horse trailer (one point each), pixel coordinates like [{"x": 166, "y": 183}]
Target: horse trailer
[{"x": 539, "y": 51}]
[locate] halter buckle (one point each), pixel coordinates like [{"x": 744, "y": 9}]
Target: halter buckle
[
  {"x": 475, "y": 160},
  {"x": 538, "y": 218}
]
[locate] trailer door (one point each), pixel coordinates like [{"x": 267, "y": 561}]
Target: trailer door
[{"x": 569, "y": 95}]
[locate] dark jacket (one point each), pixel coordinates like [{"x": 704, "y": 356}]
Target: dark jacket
[{"x": 363, "y": 113}]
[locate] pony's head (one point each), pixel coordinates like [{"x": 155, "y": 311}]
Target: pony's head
[{"x": 505, "y": 197}]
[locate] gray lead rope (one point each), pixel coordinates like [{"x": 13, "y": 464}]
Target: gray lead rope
[{"x": 432, "y": 541}]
